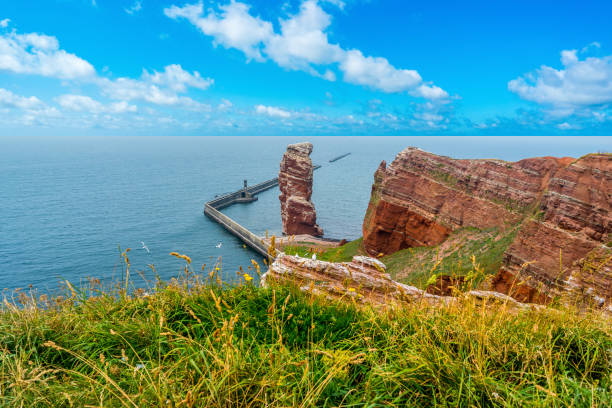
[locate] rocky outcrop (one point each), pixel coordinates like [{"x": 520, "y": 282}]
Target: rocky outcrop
[
  {"x": 363, "y": 280},
  {"x": 562, "y": 205},
  {"x": 295, "y": 182},
  {"x": 572, "y": 221}
]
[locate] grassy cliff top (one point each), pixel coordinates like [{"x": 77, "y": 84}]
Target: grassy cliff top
[{"x": 191, "y": 343}]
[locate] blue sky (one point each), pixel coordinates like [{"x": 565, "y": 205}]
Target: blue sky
[{"x": 329, "y": 67}]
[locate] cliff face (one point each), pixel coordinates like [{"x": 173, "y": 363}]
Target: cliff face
[
  {"x": 562, "y": 206},
  {"x": 295, "y": 183}
]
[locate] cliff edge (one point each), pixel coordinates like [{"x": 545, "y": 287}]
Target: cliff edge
[{"x": 561, "y": 207}]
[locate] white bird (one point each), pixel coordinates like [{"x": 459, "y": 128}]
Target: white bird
[
  {"x": 314, "y": 257},
  {"x": 145, "y": 247},
  {"x": 219, "y": 245}
]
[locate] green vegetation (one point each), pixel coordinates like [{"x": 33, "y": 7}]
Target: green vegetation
[
  {"x": 342, "y": 253},
  {"x": 191, "y": 343},
  {"x": 444, "y": 177},
  {"x": 415, "y": 266}
]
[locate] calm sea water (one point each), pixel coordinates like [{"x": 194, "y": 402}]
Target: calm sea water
[{"x": 67, "y": 204}]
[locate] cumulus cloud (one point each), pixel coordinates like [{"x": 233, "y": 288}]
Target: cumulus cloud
[
  {"x": 580, "y": 83},
  {"x": 40, "y": 55},
  {"x": 301, "y": 44},
  {"x": 25, "y": 111},
  {"x": 10, "y": 100},
  {"x": 376, "y": 72},
  {"x": 134, "y": 8},
  {"x": 160, "y": 88},
  {"x": 5, "y": 23},
  {"x": 225, "y": 105},
  {"x": 272, "y": 111},
  {"x": 83, "y": 103},
  {"x": 232, "y": 27},
  {"x": 303, "y": 41},
  {"x": 567, "y": 126},
  {"x": 177, "y": 79}
]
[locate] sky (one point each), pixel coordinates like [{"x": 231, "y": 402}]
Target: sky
[{"x": 311, "y": 67}]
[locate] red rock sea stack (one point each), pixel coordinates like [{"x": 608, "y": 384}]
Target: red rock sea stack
[
  {"x": 295, "y": 183},
  {"x": 559, "y": 207}
]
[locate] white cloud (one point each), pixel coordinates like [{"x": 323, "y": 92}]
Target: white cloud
[
  {"x": 272, "y": 111},
  {"x": 134, "y": 8},
  {"x": 10, "y": 100},
  {"x": 302, "y": 44},
  {"x": 5, "y": 23},
  {"x": 376, "y": 72},
  {"x": 40, "y": 55},
  {"x": 233, "y": 27},
  {"x": 160, "y": 88},
  {"x": 19, "y": 110},
  {"x": 225, "y": 105},
  {"x": 581, "y": 83},
  {"x": 430, "y": 92},
  {"x": 567, "y": 126},
  {"x": 82, "y": 103},
  {"x": 177, "y": 79},
  {"x": 594, "y": 44},
  {"x": 338, "y": 3}
]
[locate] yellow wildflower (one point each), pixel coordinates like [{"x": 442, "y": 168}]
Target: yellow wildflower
[
  {"x": 351, "y": 289},
  {"x": 248, "y": 278}
]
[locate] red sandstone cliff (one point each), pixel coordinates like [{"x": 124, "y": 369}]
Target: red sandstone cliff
[
  {"x": 295, "y": 183},
  {"x": 561, "y": 204}
]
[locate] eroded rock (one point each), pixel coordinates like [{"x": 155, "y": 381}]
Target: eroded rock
[
  {"x": 364, "y": 280},
  {"x": 295, "y": 182},
  {"x": 561, "y": 204}
]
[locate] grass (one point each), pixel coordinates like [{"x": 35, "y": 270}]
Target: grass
[
  {"x": 415, "y": 266},
  {"x": 343, "y": 253},
  {"x": 193, "y": 343}
]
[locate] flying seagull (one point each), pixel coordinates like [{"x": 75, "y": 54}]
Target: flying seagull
[
  {"x": 145, "y": 247},
  {"x": 219, "y": 245}
]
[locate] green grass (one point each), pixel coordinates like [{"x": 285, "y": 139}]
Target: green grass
[
  {"x": 343, "y": 253},
  {"x": 193, "y": 344},
  {"x": 415, "y": 266}
]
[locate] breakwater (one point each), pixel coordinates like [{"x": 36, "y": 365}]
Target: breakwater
[
  {"x": 245, "y": 195},
  {"x": 342, "y": 156}
]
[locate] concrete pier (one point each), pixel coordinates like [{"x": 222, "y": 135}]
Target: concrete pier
[
  {"x": 339, "y": 157},
  {"x": 250, "y": 239},
  {"x": 245, "y": 195}
]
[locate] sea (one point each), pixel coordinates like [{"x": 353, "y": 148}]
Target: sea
[{"x": 70, "y": 205}]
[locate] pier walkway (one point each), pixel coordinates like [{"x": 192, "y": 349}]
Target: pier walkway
[
  {"x": 213, "y": 208},
  {"x": 245, "y": 195}
]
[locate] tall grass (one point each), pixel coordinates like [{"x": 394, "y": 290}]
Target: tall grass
[{"x": 195, "y": 343}]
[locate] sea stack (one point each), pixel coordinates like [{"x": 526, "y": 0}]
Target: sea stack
[{"x": 295, "y": 183}]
